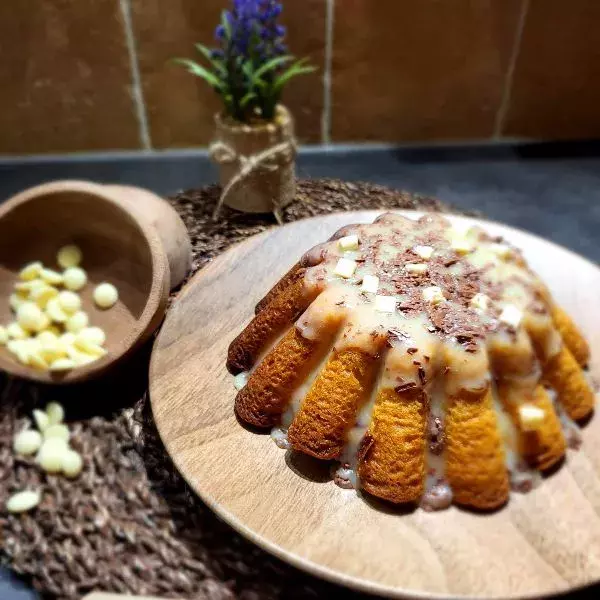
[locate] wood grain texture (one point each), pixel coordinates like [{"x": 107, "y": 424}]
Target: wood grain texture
[
  {"x": 539, "y": 543},
  {"x": 117, "y": 247}
]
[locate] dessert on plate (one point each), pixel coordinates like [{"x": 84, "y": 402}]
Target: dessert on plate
[{"x": 425, "y": 357}]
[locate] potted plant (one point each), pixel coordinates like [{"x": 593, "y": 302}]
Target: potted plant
[{"x": 254, "y": 145}]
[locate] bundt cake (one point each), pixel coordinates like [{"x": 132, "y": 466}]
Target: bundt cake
[{"x": 424, "y": 357}]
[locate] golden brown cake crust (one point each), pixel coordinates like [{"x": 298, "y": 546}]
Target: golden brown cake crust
[
  {"x": 292, "y": 275},
  {"x": 571, "y": 336}
]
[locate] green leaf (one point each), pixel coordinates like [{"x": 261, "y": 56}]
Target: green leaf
[
  {"x": 226, "y": 25},
  {"x": 247, "y": 99},
  {"x": 198, "y": 70},
  {"x": 295, "y": 70},
  {"x": 271, "y": 64},
  {"x": 206, "y": 52}
]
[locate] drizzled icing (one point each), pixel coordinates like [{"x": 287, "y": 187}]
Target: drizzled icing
[{"x": 441, "y": 346}]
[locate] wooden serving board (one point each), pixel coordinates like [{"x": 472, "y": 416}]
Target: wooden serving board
[{"x": 542, "y": 542}]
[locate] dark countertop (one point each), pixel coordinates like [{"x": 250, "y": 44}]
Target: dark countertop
[{"x": 549, "y": 189}]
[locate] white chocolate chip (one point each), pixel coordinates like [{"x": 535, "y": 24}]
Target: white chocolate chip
[
  {"x": 27, "y": 442},
  {"x": 511, "y": 316},
  {"x": 106, "y": 295},
  {"x": 70, "y": 302},
  {"x": 55, "y": 312},
  {"x": 41, "y": 419},
  {"x": 370, "y": 283},
  {"x": 31, "y": 271},
  {"x": 57, "y": 430},
  {"x": 23, "y": 501},
  {"x": 67, "y": 339},
  {"x": 28, "y": 287},
  {"x": 72, "y": 463},
  {"x": 345, "y": 267},
  {"x": 433, "y": 294},
  {"x": 424, "y": 252},
  {"x": 51, "y": 454},
  {"x": 74, "y": 278},
  {"x": 480, "y": 301},
  {"x": 55, "y": 412},
  {"x": 3, "y": 335},
  {"x": 69, "y": 256},
  {"x": 42, "y": 294},
  {"x": 46, "y": 336},
  {"x": 51, "y": 277},
  {"x": 15, "y": 300},
  {"x": 531, "y": 417},
  {"x": 415, "y": 267},
  {"x": 385, "y": 304},
  {"x": 35, "y": 356},
  {"x": 16, "y": 332},
  {"x": 93, "y": 334},
  {"x": 77, "y": 322},
  {"x": 240, "y": 380},
  {"x": 62, "y": 364},
  {"x": 461, "y": 245},
  {"x": 30, "y": 317},
  {"x": 85, "y": 345},
  {"x": 349, "y": 242}
]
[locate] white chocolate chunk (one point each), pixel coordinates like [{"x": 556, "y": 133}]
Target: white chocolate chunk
[
  {"x": 51, "y": 277},
  {"x": 461, "y": 230},
  {"x": 433, "y": 294},
  {"x": 74, "y": 278},
  {"x": 41, "y": 419},
  {"x": 370, "y": 283},
  {"x": 30, "y": 316},
  {"x": 85, "y": 345},
  {"x": 70, "y": 302},
  {"x": 415, "y": 267},
  {"x": 69, "y": 256},
  {"x": 480, "y": 301},
  {"x": 461, "y": 245},
  {"x": 240, "y": 380},
  {"x": 27, "y": 442},
  {"x": 23, "y": 501},
  {"x": 57, "y": 430},
  {"x": 345, "y": 267},
  {"x": 3, "y": 335},
  {"x": 530, "y": 417},
  {"x": 349, "y": 242},
  {"x": 424, "y": 252},
  {"x": 16, "y": 332},
  {"x": 55, "y": 312},
  {"x": 77, "y": 322},
  {"x": 72, "y": 464},
  {"x": 28, "y": 287},
  {"x": 501, "y": 250},
  {"x": 30, "y": 271},
  {"x": 385, "y": 304},
  {"x": 50, "y": 456},
  {"x": 106, "y": 295},
  {"x": 62, "y": 364},
  {"x": 42, "y": 294},
  {"x": 511, "y": 316},
  {"x": 93, "y": 334},
  {"x": 55, "y": 412}
]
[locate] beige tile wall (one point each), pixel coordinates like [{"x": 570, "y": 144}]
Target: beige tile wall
[{"x": 95, "y": 75}]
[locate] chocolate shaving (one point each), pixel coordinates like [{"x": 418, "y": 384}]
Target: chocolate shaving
[
  {"x": 365, "y": 446},
  {"x": 412, "y": 350},
  {"x": 405, "y": 387},
  {"x": 422, "y": 377}
]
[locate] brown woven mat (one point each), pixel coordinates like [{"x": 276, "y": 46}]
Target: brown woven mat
[{"x": 129, "y": 523}]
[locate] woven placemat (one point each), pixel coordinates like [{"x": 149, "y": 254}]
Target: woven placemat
[{"x": 129, "y": 523}]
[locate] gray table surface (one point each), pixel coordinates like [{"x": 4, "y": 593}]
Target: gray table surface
[{"x": 552, "y": 190}]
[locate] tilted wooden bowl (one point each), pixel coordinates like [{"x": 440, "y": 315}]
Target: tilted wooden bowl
[{"x": 117, "y": 247}]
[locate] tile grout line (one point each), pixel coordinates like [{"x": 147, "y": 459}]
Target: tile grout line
[
  {"x": 137, "y": 93},
  {"x": 510, "y": 71},
  {"x": 326, "y": 113}
]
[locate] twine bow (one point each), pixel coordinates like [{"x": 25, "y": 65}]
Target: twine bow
[{"x": 269, "y": 160}]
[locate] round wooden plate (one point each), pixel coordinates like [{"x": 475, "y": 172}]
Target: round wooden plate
[{"x": 541, "y": 543}]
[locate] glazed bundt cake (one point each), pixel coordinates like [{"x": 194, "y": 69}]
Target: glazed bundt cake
[{"x": 426, "y": 358}]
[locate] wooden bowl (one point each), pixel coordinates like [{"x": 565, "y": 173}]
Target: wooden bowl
[{"x": 117, "y": 247}]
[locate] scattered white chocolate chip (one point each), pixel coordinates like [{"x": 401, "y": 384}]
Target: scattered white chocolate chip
[
  {"x": 511, "y": 316},
  {"x": 370, "y": 283},
  {"x": 50, "y": 455},
  {"x": 74, "y": 278},
  {"x": 433, "y": 294},
  {"x": 62, "y": 364},
  {"x": 30, "y": 271},
  {"x": 415, "y": 267},
  {"x": 41, "y": 419},
  {"x": 27, "y": 442},
  {"x": 51, "y": 277},
  {"x": 93, "y": 334},
  {"x": 16, "y": 332},
  {"x": 240, "y": 380},
  {"x": 55, "y": 412},
  {"x": 480, "y": 301},
  {"x": 530, "y": 417},
  {"x": 77, "y": 322},
  {"x": 57, "y": 430},
  {"x": 69, "y": 256},
  {"x": 55, "y": 312},
  {"x": 424, "y": 252},
  {"x": 345, "y": 267},
  {"x": 70, "y": 302},
  {"x": 385, "y": 304},
  {"x": 3, "y": 335},
  {"x": 23, "y": 501},
  {"x": 72, "y": 463},
  {"x": 461, "y": 245},
  {"x": 349, "y": 242},
  {"x": 106, "y": 294},
  {"x": 30, "y": 316}
]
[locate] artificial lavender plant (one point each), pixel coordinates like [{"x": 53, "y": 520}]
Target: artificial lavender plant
[{"x": 251, "y": 64}]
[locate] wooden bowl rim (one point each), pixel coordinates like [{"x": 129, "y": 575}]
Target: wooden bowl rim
[{"x": 156, "y": 301}]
